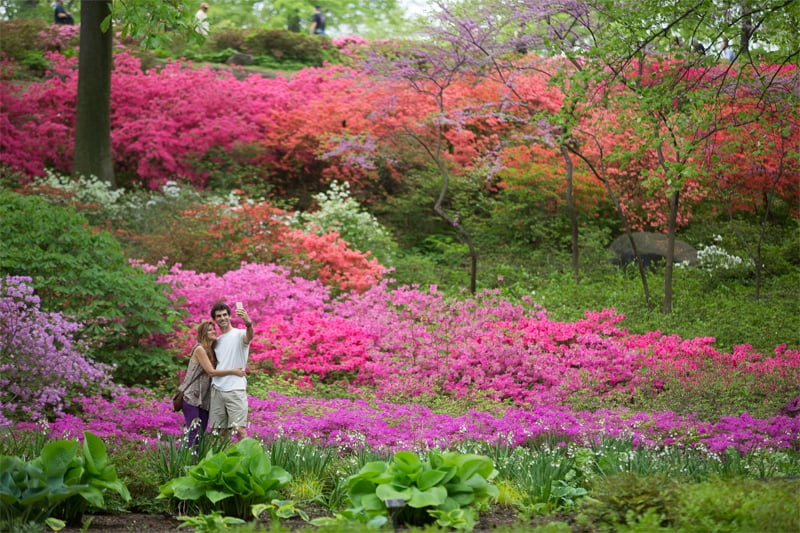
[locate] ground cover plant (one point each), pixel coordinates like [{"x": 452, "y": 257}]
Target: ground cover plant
[{"x": 420, "y": 236}]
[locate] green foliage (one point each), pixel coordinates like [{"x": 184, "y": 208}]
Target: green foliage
[
  {"x": 174, "y": 457},
  {"x": 58, "y": 486},
  {"x": 547, "y": 479},
  {"x": 23, "y": 444},
  {"x": 281, "y": 44},
  {"x": 739, "y": 505},
  {"x": 214, "y": 521},
  {"x": 137, "y": 469},
  {"x": 628, "y": 498},
  {"x": 373, "y": 17},
  {"x": 21, "y": 36},
  {"x": 300, "y": 458},
  {"x": 81, "y": 271},
  {"x": 446, "y": 487},
  {"x": 230, "y": 481},
  {"x": 279, "y": 509}
]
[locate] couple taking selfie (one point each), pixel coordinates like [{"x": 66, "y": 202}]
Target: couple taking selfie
[{"x": 214, "y": 387}]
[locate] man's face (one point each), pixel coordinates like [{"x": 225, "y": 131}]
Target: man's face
[{"x": 223, "y": 319}]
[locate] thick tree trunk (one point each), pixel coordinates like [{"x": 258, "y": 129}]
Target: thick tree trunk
[{"x": 92, "y": 156}]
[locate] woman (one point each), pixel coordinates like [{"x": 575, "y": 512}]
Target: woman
[{"x": 196, "y": 384}]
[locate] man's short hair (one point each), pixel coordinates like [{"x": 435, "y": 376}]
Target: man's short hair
[{"x": 219, "y": 306}]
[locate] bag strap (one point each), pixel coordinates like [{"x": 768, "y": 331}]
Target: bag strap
[{"x": 197, "y": 374}]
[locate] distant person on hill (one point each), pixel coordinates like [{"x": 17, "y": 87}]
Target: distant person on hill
[
  {"x": 318, "y": 22},
  {"x": 726, "y": 51},
  {"x": 61, "y": 15},
  {"x": 201, "y": 17}
]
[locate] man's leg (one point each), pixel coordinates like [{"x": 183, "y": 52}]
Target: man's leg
[
  {"x": 217, "y": 415},
  {"x": 237, "y": 412}
]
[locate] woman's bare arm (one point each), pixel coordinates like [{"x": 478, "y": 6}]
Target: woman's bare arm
[{"x": 205, "y": 362}]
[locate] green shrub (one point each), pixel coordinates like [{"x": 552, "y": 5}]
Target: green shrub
[
  {"x": 81, "y": 271},
  {"x": 230, "y": 481},
  {"x": 58, "y": 486},
  {"x": 17, "y": 37},
  {"x": 286, "y": 45},
  {"x": 445, "y": 488},
  {"x": 627, "y": 499},
  {"x": 227, "y": 39},
  {"x": 739, "y": 505}
]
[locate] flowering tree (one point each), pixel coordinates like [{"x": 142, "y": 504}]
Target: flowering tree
[
  {"x": 753, "y": 167},
  {"x": 672, "y": 100}
]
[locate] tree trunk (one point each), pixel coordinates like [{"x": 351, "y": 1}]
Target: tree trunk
[
  {"x": 455, "y": 222},
  {"x": 573, "y": 216},
  {"x": 92, "y": 156},
  {"x": 600, "y": 173},
  {"x": 668, "y": 269}
]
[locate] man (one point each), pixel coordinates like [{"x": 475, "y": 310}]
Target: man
[
  {"x": 727, "y": 52},
  {"x": 201, "y": 18},
  {"x": 61, "y": 15},
  {"x": 318, "y": 22},
  {"x": 229, "y": 393}
]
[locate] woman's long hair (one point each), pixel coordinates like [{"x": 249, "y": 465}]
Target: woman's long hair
[{"x": 202, "y": 340}]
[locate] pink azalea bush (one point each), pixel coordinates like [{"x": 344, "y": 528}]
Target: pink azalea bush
[
  {"x": 42, "y": 366},
  {"x": 407, "y": 343}
]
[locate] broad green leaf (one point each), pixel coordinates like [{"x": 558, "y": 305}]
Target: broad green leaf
[
  {"x": 93, "y": 495},
  {"x": 430, "y": 478},
  {"x": 429, "y": 498},
  {"x": 407, "y": 462},
  {"x": 215, "y": 495},
  {"x": 56, "y": 457},
  {"x": 371, "y": 502},
  {"x": 469, "y": 465},
  {"x": 94, "y": 453},
  {"x": 389, "y": 492},
  {"x": 360, "y": 488}
]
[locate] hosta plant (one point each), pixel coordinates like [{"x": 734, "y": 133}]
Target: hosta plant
[
  {"x": 58, "y": 486},
  {"x": 230, "y": 481},
  {"x": 445, "y": 487}
]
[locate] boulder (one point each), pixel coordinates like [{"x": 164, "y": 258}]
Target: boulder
[
  {"x": 652, "y": 248},
  {"x": 240, "y": 59}
]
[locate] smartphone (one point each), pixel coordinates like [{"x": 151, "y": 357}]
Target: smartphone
[{"x": 238, "y": 305}]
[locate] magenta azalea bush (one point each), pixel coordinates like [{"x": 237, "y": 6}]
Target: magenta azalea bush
[
  {"x": 42, "y": 367},
  {"x": 354, "y": 424},
  {"x": 408, "y": 343}
]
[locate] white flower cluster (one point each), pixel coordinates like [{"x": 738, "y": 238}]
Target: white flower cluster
[
  {"x": 714, "y": 257},
  {"x": 338, "y": 211},
  {"x": 91, "y": 190}
]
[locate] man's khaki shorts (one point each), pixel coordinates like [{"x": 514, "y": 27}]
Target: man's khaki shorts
[{"x": 228, "y": 409}]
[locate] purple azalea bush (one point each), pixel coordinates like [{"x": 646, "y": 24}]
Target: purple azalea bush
[{"x": 42, "y": 367}]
